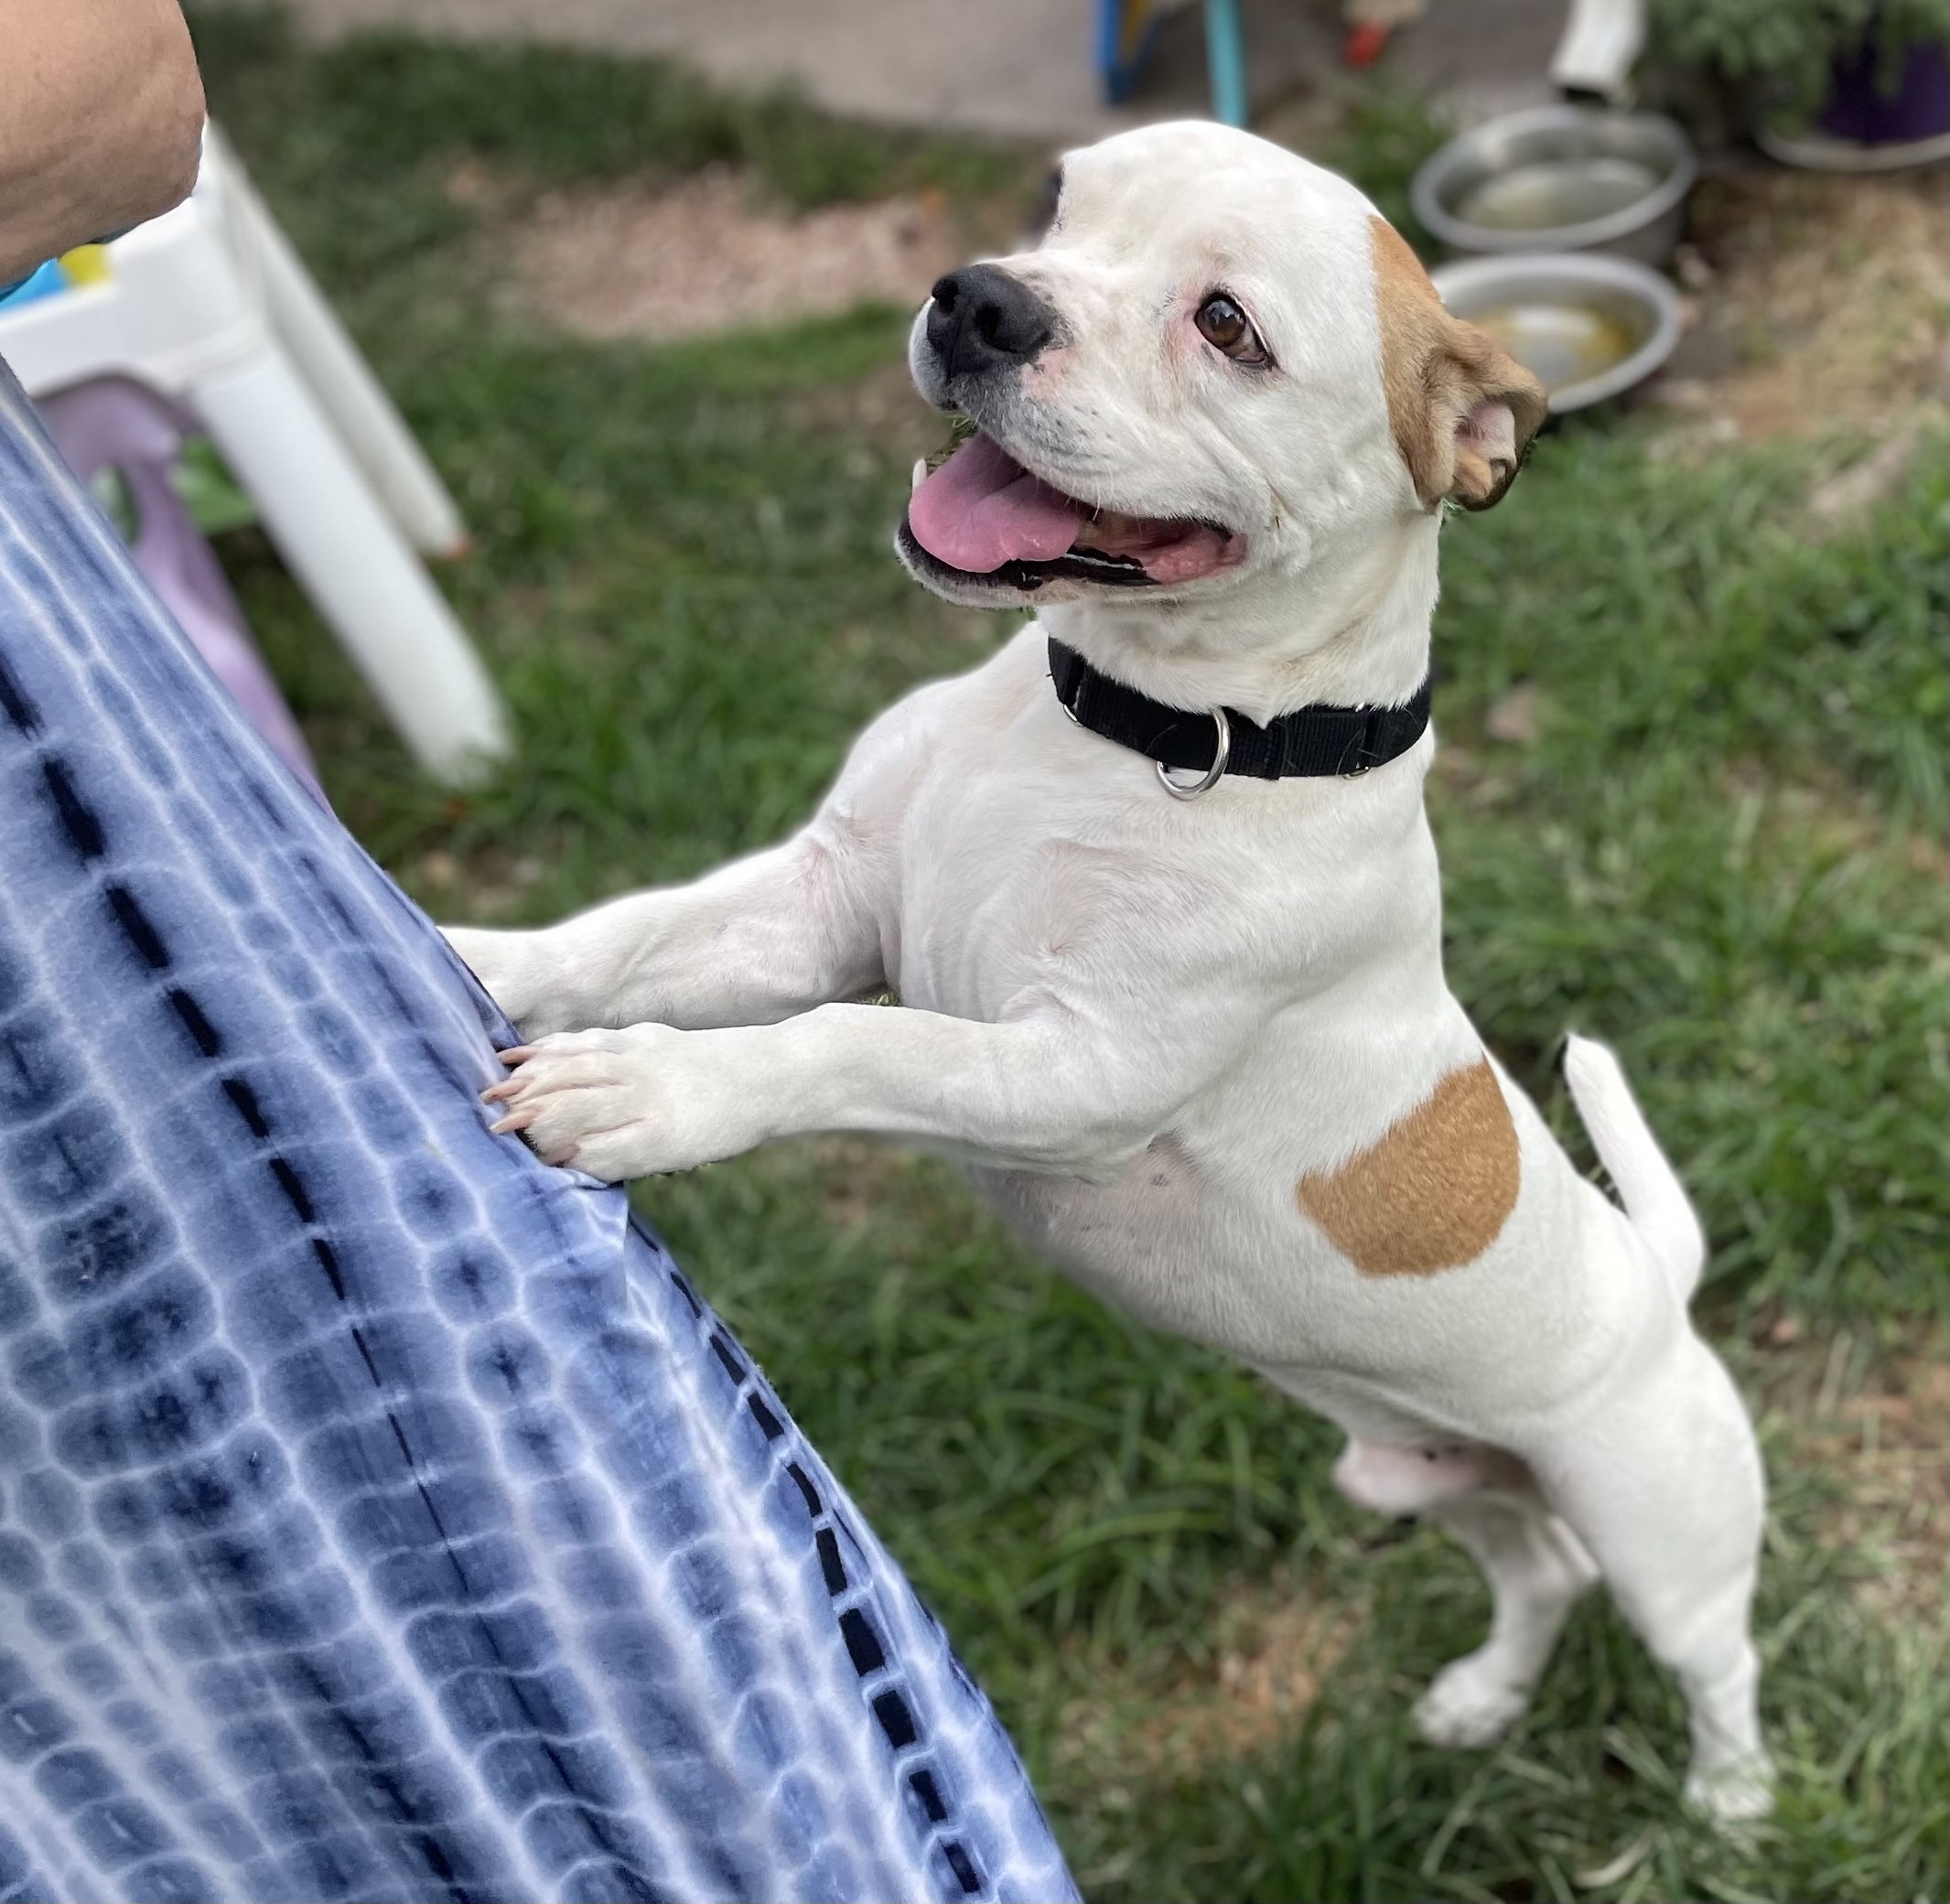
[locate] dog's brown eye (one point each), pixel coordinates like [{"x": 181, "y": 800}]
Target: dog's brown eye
[{"x": 1226, "y": 327}]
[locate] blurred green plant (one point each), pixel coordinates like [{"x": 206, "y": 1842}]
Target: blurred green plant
[
  {"x": 1788, "y": 50},
  {"x": 1379, "y": 142}
]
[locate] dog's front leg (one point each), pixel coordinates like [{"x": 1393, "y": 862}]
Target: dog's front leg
[
  {"x": 754, "y": 941},
  {"x": 1038, "y": 1094}
]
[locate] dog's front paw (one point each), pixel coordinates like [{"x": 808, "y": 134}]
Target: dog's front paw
[
  {"x": 1470, "y": 1703},
  {"x": 622, "y": 1104}
]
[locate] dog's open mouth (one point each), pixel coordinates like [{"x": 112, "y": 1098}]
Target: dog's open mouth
[{"x": 984, "y": 517}]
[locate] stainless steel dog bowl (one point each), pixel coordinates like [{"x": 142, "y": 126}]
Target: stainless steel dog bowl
[
  {"x": 1586, "y": 325},
  {"x": 1560, "y": 178}
]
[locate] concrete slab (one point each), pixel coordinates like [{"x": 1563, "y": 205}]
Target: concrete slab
[{"x": 1018, "y": 69}]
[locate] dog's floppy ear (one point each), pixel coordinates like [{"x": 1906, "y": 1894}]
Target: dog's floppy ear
[{"x": 1461, "y": 408}]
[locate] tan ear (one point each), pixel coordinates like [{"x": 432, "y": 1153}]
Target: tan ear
[{"x": 1461, "y": 408}]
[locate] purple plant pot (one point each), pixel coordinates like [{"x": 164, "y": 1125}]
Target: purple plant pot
[{"x": 1860, "y": 109}]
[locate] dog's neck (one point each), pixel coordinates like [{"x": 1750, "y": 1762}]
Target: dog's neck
[{"x": 1351, "y": 630}]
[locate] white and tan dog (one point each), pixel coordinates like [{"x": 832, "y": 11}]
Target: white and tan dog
[{"x": 1200, "y": 1051}]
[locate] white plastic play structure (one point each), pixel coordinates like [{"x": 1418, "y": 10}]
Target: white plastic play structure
[{"x": 211, "y": 306}]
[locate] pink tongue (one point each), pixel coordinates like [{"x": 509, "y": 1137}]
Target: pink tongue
[{"x": 982, "y": 509}]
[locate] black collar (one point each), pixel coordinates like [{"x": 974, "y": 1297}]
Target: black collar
[{"x": 1310, "y": 742}]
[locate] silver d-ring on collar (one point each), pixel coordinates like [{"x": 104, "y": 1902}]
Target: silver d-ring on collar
[{"x": 1210, "y": 779}]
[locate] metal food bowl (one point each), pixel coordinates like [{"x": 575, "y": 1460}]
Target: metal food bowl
[
  {"x": 1560, "y": 178},
  {"x": 1586, "y": 325}
]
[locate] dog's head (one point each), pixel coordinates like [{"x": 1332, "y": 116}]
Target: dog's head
[{"x": 1221, "y": 367}]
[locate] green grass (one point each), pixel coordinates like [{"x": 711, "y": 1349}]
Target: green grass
[
  {"x": 369, "y": 127},
  {"x": 1722, "y": 851},
  {"x": 1714, "y": 853}
]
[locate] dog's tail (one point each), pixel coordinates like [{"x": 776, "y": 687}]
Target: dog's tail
[{"x": 1654, "y": 1199}]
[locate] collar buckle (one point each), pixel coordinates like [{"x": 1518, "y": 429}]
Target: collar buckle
[{"x": 1222, "y": 752}]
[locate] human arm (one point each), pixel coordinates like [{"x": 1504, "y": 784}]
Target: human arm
[{"x": 101, "y": 115}]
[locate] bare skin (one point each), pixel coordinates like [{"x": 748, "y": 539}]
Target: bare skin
[{"x": 101, "y": 112}]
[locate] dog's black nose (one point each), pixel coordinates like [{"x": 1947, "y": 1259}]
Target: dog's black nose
[{"x": 984, "y": 320}]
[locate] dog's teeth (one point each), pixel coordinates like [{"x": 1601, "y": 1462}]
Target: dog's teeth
[{"x": 921, "y": 473}]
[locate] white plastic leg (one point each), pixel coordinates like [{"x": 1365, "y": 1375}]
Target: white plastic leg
[
  {"x": 1602, "y": 40},
  {"x": 340, "y": 376},
  {"x": 353, "y": 562}
]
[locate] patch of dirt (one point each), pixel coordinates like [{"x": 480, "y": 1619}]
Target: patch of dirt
[
  {"x": 859, "y": 1178},
  {"x": 1822, "y": 308},
  {"x": 1878, "y": 1428},
  {"x": 1274, "y": 1644},
  {"x": 1893, "y": 1452},
  {"x": 704, "y": 254},
  {"x": 482, "y": 887},
  {"x": 1840, "y": 818}
]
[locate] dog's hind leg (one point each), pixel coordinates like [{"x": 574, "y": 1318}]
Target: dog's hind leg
[
  {"x": 1536, "y": 1568},
  {"x": 1663, "y": 1486}
]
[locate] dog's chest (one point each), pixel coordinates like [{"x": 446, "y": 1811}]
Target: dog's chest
[
  {"x": 986, "y": 913},
  {"x": 1039, "y": 863}
]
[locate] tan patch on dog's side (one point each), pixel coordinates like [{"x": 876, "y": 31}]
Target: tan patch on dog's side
[
  {"x": 1433, "y": 1191},
  {"x": 1461, "y": 409}
]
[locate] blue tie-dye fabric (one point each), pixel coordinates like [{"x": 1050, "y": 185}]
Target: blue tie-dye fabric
[{"x": 382, "y": 1513}]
